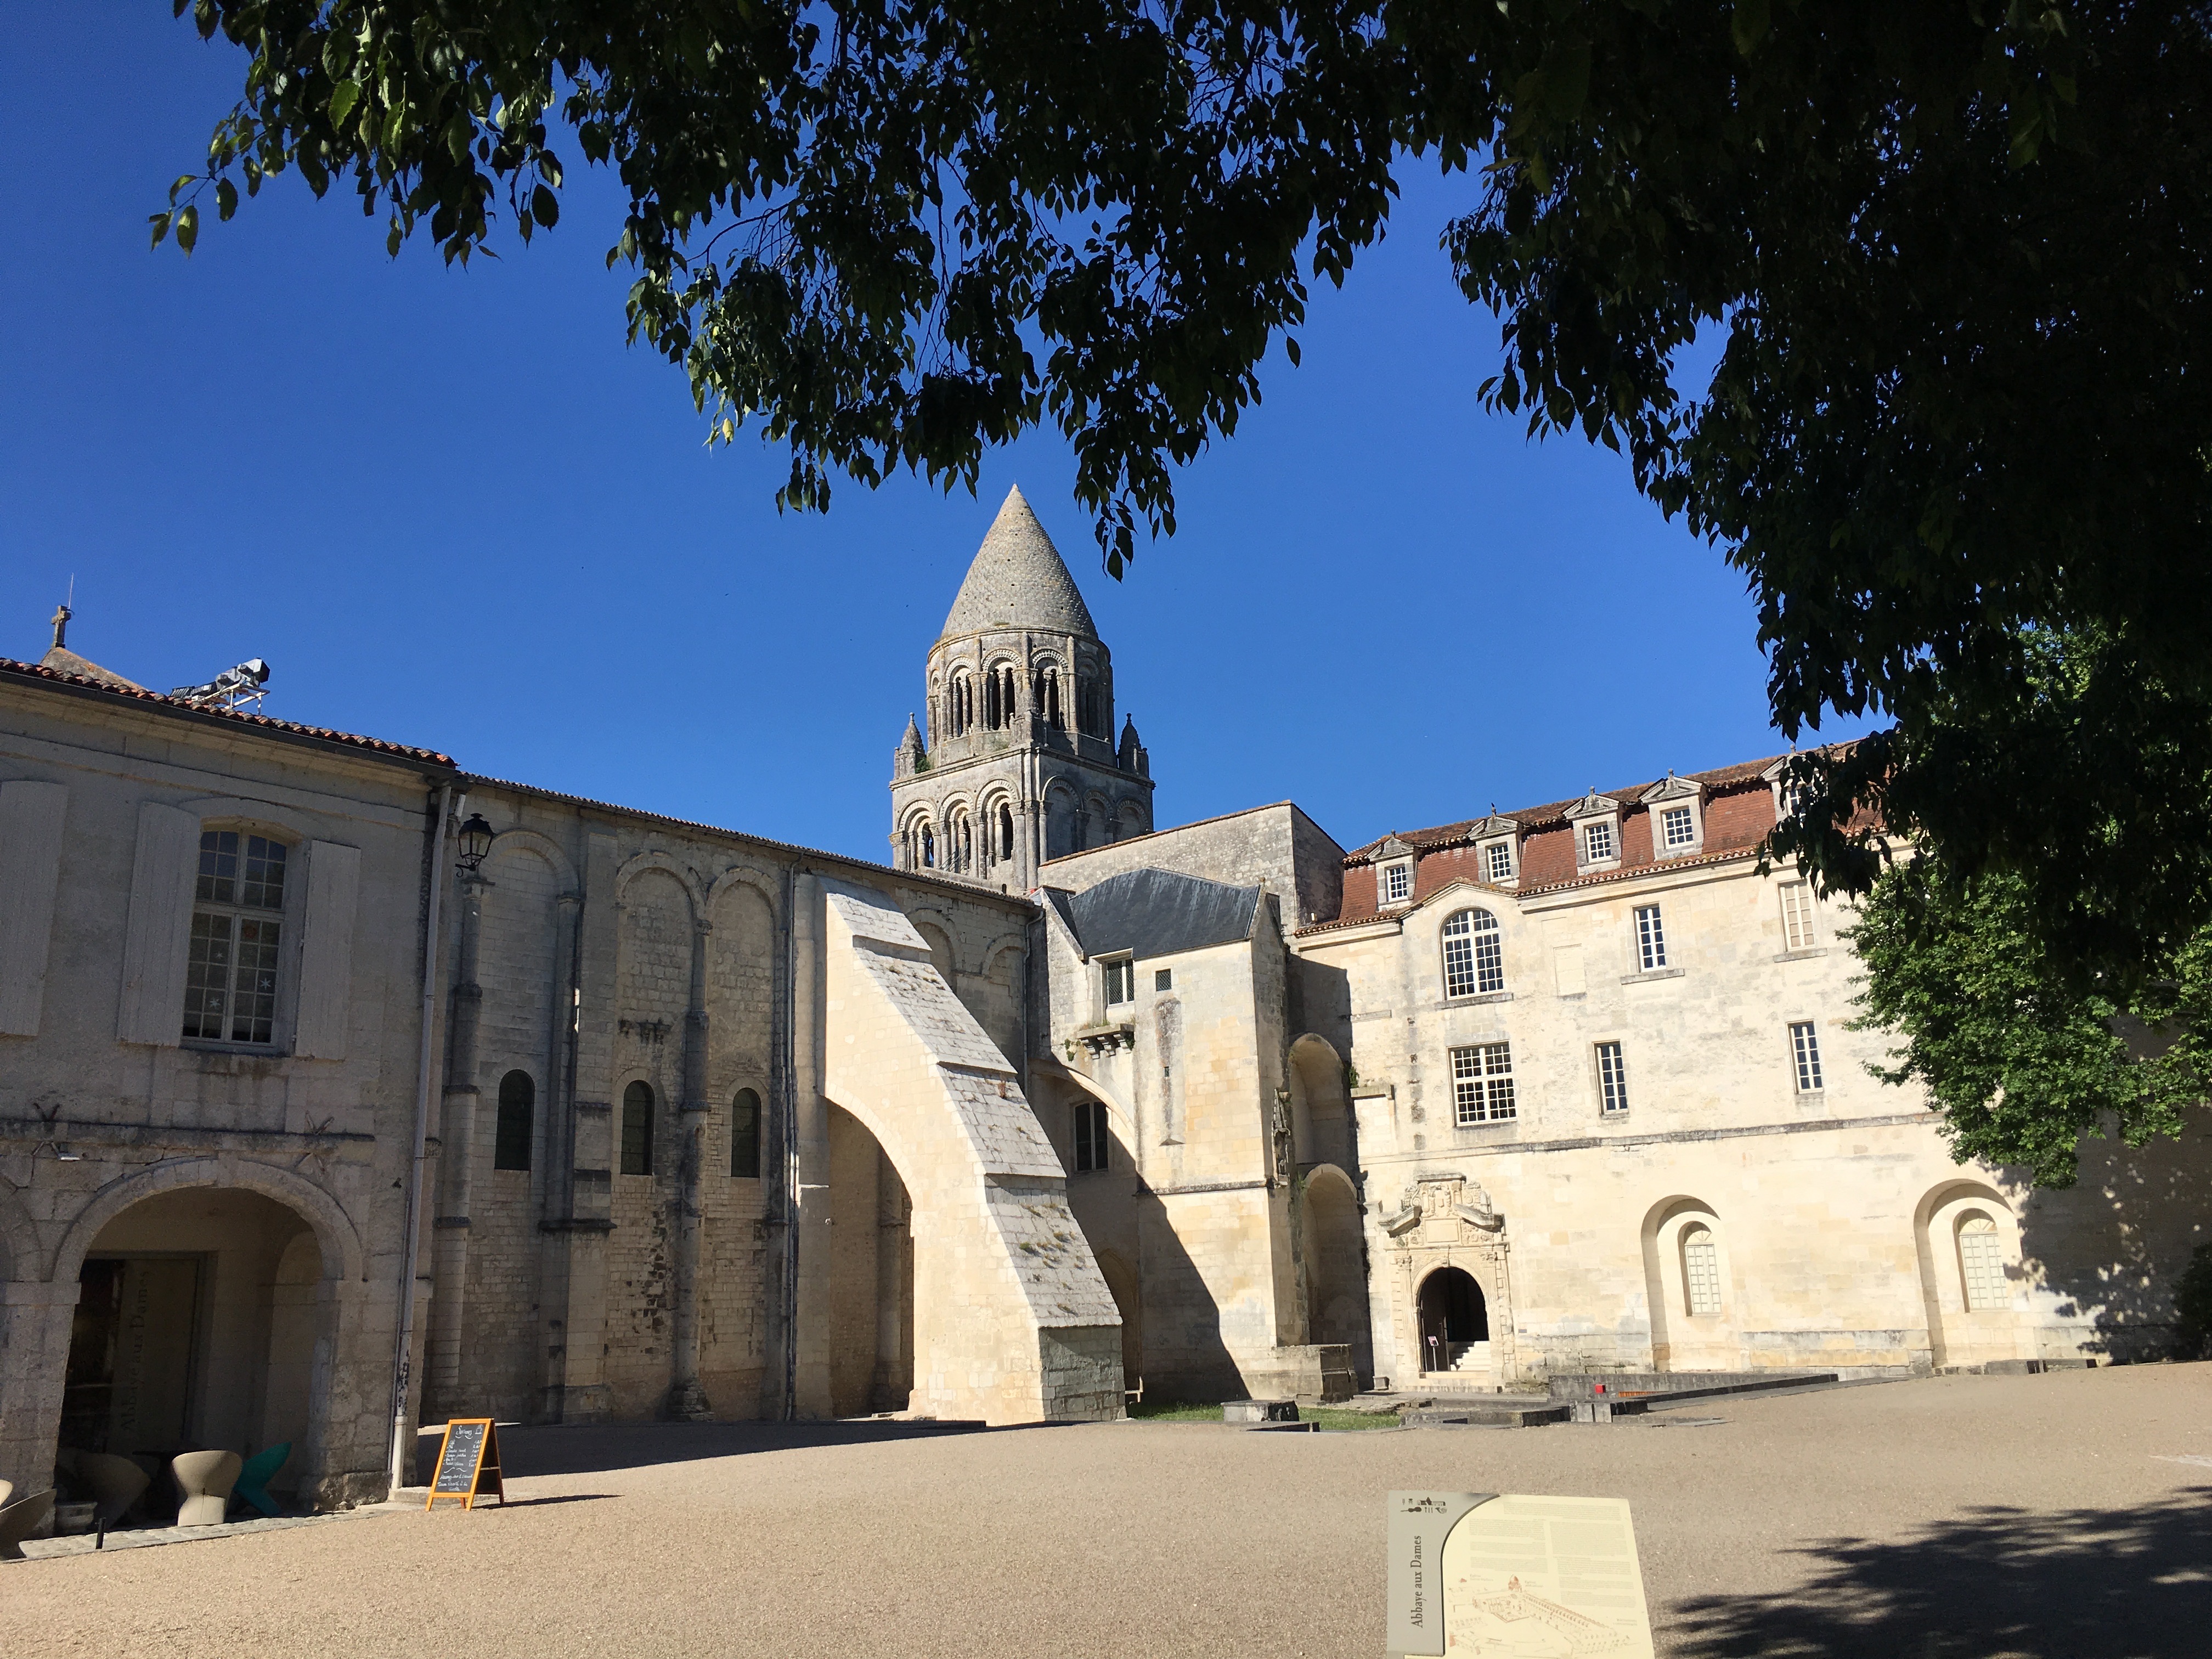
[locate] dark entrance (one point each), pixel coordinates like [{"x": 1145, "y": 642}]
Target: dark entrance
[{"x": 1452, "y": 1314}]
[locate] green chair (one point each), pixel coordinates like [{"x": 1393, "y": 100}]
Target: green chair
[{"x": 260, "y": 1470}]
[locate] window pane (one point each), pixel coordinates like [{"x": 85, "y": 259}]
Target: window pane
[
  {"x": 637, "y": 1130},
  {"x": 1489, "y": 960},
  {"x": 1981, "y": 1265},
  {"x": 1500, "y": 855},
  {"x": 262, "y": 888},
  {"x": 218, "y": 883},
  {"x": 1397, "y": 882},
  {"x": 517, "y": 1100},
  {"x": 745, "y": 1136},
  {"x": 1164, "y": 979},
  {"x": 1497, "y": 1069},
  {"x": 1806, "y": 1045},
  {"x": 207, "y": 976},
  {"x": 1701, "y": 1272},
  {"x": 1597, "y": 838},
  {"x": 1612, "y": 1079},
  {"x": 1651, "y": 937},
  {"x": 253, "y": 981},
  {"x": 1677, "y": 827},
  {"x": 1797, "y": 915}
]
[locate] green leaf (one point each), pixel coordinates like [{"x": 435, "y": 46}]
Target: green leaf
[
  {"x": 1749, "y": 24},
  {"x": 187, "y": 228},
  {"x": 225, "y": 198},
  {"x": 545, "y": 207},
  {"x": 343, "y": 97},
  {"x": 161, "y": 224}
]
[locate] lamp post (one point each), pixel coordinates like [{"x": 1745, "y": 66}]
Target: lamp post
[{"x": 476, "y": 842}]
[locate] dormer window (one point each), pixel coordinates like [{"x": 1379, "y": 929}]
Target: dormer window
[
  {"x": 1498, "y": 862},
  {"x": 1678, "y": 818},
  {"x": 1596, "y": 819},
  {"x": 1497, "y": 849},
  {"x": 1397, "y": 882}
]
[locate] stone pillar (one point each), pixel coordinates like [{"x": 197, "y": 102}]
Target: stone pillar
[
  {"x": 812, "y": 1333},
  {"x": 449, "y": 1251},
  {"x": 686, "y": 1399},
  {"x": 35, "y": 1317}
]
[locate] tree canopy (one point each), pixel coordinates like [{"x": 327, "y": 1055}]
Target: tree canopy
[{"x": 1955, "y": 253}]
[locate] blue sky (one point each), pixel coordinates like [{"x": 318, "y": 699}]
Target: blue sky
[{"x": 451, "y": 508}]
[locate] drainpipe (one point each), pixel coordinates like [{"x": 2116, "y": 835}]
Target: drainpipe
[
  {"x": 402, "y": 1440},
  {"x": 456, "y": 1162}
]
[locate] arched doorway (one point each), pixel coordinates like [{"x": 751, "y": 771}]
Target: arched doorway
[
  {"x": 1455, "y": 1320},
  {"x": 1336, "y": 1270},
  {"x": 871, "y": 1274},
  {"x": 1122, "y": 1280},
  {"x": 196, "y": 1326}
]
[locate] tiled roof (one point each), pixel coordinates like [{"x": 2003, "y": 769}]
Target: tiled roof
[
  {"x": 257, "y": 722},
  {"x": 1018, "y": 581},
  {"x": 1625, "y": 873},
  {"x": 1535, "y": 817}
]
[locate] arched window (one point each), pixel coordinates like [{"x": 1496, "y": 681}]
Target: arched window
[
  {"x": 1701, "y": 1271},
  {"x": 1981, "y": 1263},
  {"x": 928, "y": 849},
  {"x": 637, "y": 1129},
  {"x": 238, "y": 913},
  {"x": 1006, "y": 832},
  {"x": 744, "y": 1136},
  {"x": 1474, "y": 964},
  {"x": 1006, "y": 680},
  {"x": 517, "y": 1103}
]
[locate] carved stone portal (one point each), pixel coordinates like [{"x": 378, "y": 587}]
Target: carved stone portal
[{"x": 1449, "y": 1221}]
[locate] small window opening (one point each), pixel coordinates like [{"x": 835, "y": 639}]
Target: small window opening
[
  {"x": 1805, "y": 1046},
  {"x": 745, "y": 1136},
  {"x": 637, "y": 1129},
  {"x": 518, "y": 1105},
  {"x": 1651, "y": 937},
  {"x": 1612, "y": 1079},
  {"x": 1090, "y": 1141}
]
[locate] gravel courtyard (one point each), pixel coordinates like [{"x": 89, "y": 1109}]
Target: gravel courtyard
[{"x": 2066, "y": 1516}]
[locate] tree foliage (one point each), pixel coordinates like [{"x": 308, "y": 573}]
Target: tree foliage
[
  {"x": 1956, "y": 254},
  {"x": 2019, "y": 1060}
]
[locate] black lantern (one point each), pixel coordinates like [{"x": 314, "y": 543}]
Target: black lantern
[{"x": 476, "y": 841}]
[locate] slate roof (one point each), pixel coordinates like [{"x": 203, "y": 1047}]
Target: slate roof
[
  {"x": 1156, "y": 912},
  {"x": 113, "y": 685},
  {"x": 1018, "y": 581}
]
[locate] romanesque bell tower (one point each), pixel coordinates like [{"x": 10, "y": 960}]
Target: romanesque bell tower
[{"x": 1020, "y": 762}]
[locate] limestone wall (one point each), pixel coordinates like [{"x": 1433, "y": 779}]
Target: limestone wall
[{"x": 1278, "y": 847}]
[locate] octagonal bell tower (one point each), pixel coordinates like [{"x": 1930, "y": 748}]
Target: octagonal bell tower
[{"x": 1019, "y": 763}]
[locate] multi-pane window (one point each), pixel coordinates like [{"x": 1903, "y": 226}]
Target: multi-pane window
[
  {"x": 1089, "y": 1135},
  {"x": 1120, "y": 981},
  {"x": 1498, "y": 860},
  {"x": 1981, "y": 1265},
  {"x": 1651, "y": 937},
  {"x": 1678, "y": 828},
  {"x": 1612, "y": 1079},
  {"x": 1597, "y": 841},
  {"x": 637, "y": 1129},
  {"x": 1805, "y": 1047},
  {"x": 1397, "y": 883},
  {"x": 1474, "y": 964},
  {"x": 1701, "y": 1272},
  {"x": 1482, "y": 1083},
  {"x": 745, "y": 1135},
  {"x": 1797, "y": 915},
  {"x": 518, "y": 1105},
  {"x": 230, "y": 977},
  {"x": 1163, "y": 979}
]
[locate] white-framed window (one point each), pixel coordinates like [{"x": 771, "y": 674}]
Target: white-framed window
[
  {"x": 1599, "y": 841},
  {"x": 1474, "y": 965},
  {"x": 1498, "y": 862},
  {"x": 1612, "y": 1079},
  {"x": 1091, "y": 1137},
  {"x": 1398, "y": 882},
  {"x": 1650, "y": 938},
  {"x": 1701, "y": 1272},
  {"x": 1797, "y": 915},
  {"x": 1805, "y": 1049},
  {"x": 1678, "y": 830},
  {"x": 1120, "y": 977},
  {"x": 238, "y": 922},
  {"x": 1981, "y": 1264},
  {"x": 1482, "y": 1083}
]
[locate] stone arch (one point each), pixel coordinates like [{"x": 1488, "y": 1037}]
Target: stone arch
[
  {"x": 1336, "y": 1266},
  {"x": 260, "y": 817},
  {"x": 1130, "y": 820},
  {"x": 1123, "y": 1120},
  {"x": 1063, "y": 815},
  {"x": 335, "y": 1234},
  {"x": 517, "y": 839},
  {"x": 746, "y": 875},
  {"x": 641, "y": 864},
  {"x": 1452, "y": 1319},
  {"x": 1681, "y": 1339},
  {"x": 1122, "y": 1280},
  {"x": 1958, "y": 1332},
  {"x": 1320, "y": 1109},
  {"x": 934, "y": 927}
]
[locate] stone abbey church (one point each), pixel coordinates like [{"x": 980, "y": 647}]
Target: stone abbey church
[{"x": 342, "y": 1089}]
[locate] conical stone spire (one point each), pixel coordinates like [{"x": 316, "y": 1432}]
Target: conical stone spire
[{"x": 1017, "y": 580}]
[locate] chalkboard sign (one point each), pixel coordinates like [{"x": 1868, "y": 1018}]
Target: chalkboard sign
[{"x": 468, "y": 1462}]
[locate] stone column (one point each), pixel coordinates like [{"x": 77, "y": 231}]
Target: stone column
[
  {"x": 810, "y": 1232},
  {"x": 686, "y": 1399},
  {"x": 449, "y": 1254},
  {"x": 35, "y": 1320}
]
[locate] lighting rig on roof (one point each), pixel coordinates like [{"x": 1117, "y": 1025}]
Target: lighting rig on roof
[{"x": 237, "y": 691}]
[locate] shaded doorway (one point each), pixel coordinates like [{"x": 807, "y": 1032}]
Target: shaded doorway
[
  {"x": 195, "y": 1329},
  {"x": 871, "y": 1274},
  {"x": 1336, "y": 1268},
  {"x": 1455, "y": 1320}
]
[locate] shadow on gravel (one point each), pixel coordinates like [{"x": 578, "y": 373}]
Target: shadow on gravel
[
  {"x": 2073, "y": 1585},
  {"x": 590, "y": 1448}
]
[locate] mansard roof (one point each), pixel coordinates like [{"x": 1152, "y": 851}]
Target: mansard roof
[
  {"x": 1156, "y": 912},
  {"x": 1018, "y": 581}
]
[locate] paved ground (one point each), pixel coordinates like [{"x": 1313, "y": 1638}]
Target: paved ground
[{"x": 2059, "y": 1517}]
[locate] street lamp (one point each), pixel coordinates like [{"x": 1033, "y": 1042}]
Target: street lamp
[{"x": 476, "y": 841}]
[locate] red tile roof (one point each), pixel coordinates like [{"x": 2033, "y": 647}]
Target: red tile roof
[{"x": 258, "y": 722}]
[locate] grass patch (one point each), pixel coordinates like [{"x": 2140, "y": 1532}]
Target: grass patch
[{"x": 1163, "y": 1413}]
